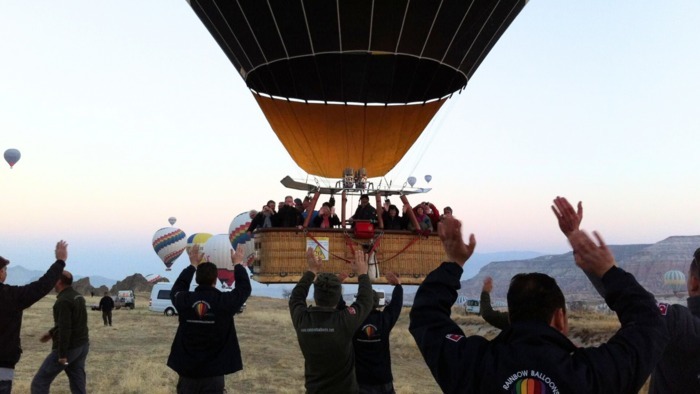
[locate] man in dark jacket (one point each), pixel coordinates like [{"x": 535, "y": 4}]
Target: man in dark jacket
[
  {"x": 13, "y": 301},
  {"x": 534, "y": 353},
  {"x": 324, "y": 332},
  {"x": 495, "y": 318},
  {"x": 288, "y": 215},
  {"x": 365, "y": 211},
  {"x": 70, "y": 340},
  {"x": 371, "y": 343},
  {"x": 679, "y": 369},
  {"x": 205, "y": 347},
  {"x": 106, "y": 306}
]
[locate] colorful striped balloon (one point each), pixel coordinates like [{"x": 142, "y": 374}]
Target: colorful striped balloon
[
  {"x": 237, "y": 230},
  {"x": 198, "y": 239},
  {"x": 169, "y": 242},
  {"x": 218, "y": 251}
]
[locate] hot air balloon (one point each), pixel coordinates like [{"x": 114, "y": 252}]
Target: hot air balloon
[
  {"x": 169, "y": 242},
  {"x": 218, "y": 251},
  {"x": 153, "y": 278},
  {"x": 411, "y": 180},
  {"x": 238, "y": 235},
  {"x": 197, "y": 239},
  {"x": 675, "y": 280},
  {"x": 12, "y": 156},
  {"x": 172, "y": 220},
  {"x": 351, "y": 76},
  {"x": 428, "y": 178}
]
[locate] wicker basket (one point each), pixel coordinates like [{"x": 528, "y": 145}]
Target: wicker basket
[{"x": 280, "y": 254}]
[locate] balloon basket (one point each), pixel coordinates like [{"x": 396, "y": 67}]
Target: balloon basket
[{"x": 280, "y": 255}]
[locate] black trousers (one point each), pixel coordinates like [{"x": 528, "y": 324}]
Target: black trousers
[
  {"x": 107, "y": 317},
  {"x": 208, "y": 385}
]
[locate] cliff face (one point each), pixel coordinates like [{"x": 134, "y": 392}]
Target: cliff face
[{"x": 647, "y": 263}]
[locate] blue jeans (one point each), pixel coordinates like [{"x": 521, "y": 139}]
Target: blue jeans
[{"x": 75, "y": 370}]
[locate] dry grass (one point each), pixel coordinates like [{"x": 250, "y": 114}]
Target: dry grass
[{"x": 130, "y": 356}]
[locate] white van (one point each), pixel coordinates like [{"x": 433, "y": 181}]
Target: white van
[{"x": 160, "y": 298}]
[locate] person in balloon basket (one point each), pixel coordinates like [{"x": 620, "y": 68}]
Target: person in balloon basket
[
  {"x": 13, "y": 301},
  {"x": 365, "y": 211},
  {"x": 263, "y": 219},
  {"x": 288, "y": 215},
  {"x": 106, "y": 306},
  {"x": 205, "y": 347},
  {"x": 70, "y": 340},
  {"x": 534, "y": 353},
  {"x": 324, "y": 332}
]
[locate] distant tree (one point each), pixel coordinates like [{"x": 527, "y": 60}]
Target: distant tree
[{"x": 286, "y": 293}]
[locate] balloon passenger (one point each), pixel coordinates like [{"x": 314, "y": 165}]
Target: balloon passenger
[
  {"x": 365, "y": 211},
  {"x": 324, "y": 332},
  {"x": 423, "y": 220},
  {"x": 13, "y": 301},
  {"x": 205, "y": 347},
  {"x": 288, "y": 215},
  {"x": 392, "y": 220},
  {"x": 534, "y": 351},
  {"x": 70, "y": 340},
  {"x": 263, "y": 219},
  {"x": 325, "y": 218}
]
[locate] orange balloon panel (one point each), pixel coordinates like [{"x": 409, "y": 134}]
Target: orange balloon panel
[{"x": 324, "y": 139}]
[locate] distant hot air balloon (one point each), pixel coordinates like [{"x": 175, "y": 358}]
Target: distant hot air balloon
[
  {"x": 172, "y": 220},
  {"x": 218, "y": 251},
  {"x": 169, "y": 242},
  {"x": 356, "y": 72},
  {"x": 411, "y": 180},
  {"x": 12, "y": 156},
  {"x": 675, "y": 280},
  {"x": 428, "y": 178},
  {"x": 153, "y": 278},
  {"x": 198, "y": 239},
  {"x": 238, "y": 235}
]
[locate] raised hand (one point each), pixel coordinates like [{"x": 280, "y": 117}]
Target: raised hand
[
  {"x": 360, "y": 266},
  {"x": 237, "y": 256},
  {"x": 195, "y": 255},
  {"x": 392, "y": 278},
  {"x": 590, "y": 257},
  {"x": 450, "y": 232},
  {"x": 569, "y": 220},
  {"x": 488, "y": 284},
  {"x": 313, "y": 261},
  {"x": 61, "y": 250}
]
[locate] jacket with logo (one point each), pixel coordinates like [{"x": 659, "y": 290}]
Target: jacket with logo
[
  {"x": 325, "y": 337},
  {"x": 679, "y": 369},
  {"x": 532, "y": 354},
  {"x": 371, "y": 343},
  {"x": 205, "y": 343}
]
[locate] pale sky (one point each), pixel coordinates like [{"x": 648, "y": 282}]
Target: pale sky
[{"x": 127, "y": 113}]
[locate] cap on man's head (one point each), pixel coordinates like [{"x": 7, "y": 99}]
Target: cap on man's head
[
  {"x": 297, "y": 200},
  {"x": 3, "y": 262},
  {"x": 327, "y": 289},
  {"x": 364, "y": 196}
]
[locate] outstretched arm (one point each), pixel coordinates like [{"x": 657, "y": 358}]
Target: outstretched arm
[
  {"x": 25, "y": 296},
  {"x": 570, "y": 221},
  {"x": 494, "y": 318}
]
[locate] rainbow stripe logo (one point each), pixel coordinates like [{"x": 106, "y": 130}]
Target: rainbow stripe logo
[
  {"x": 529, "y": 386},
  {"x": 200, "y": 309}
]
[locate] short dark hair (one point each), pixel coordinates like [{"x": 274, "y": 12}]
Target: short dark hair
[
  {"x": 66, "y": 278},
  {"x": 206, "y": 274},
  {"x": 695, "y": 264},
  {"x": 534, "y": 296}
]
